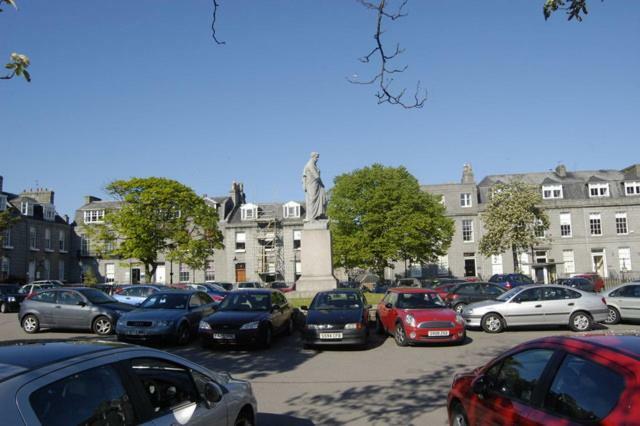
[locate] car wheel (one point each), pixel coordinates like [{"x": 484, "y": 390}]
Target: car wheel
[
  {"x": 243, "y": 420},
  {"x": 4, "y": 308},
  {"x": 102, "y": 326},
  {"x": 459, "y": 308},
  {"x": 613, "y": 317},
  {"x": 267, "y": 338},
  {"x": 458, "y": 416},
  {"x": 400, "y": 335},
  {"x": 580, "y": 321},
  {"x": 184, "y": 334},
  {"x": 379, "y": 327},
  {"x": 492, "y": 323},
  {"x": 30, "y": 324}
]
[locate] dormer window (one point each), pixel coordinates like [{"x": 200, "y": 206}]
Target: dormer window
[
  {"x": 93, "y": 216},
  {"x": 291, "y": 210},
  {"x": 551, "y": 192},
  {"x": 26, "y": 208},
  {"x": 632, "y": 188},
  {"x": 598, "y": 190},
  {"x": 465, "y": 199},
  {"x": 249, "y": 212},
  {"x": 49, "y": 212}
]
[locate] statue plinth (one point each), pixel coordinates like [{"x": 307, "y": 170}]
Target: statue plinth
[{"x": 315, "y": 256}]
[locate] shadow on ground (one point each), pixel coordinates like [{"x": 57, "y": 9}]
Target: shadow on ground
[{"x": 268, "y": 419}]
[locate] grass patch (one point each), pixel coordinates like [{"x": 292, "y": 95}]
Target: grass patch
[{"x": 372, "y": 299}]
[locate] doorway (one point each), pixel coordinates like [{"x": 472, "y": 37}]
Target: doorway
[
  {"x": 241, "y": 272},
  {"x": 135, "y": 275},
  {"x": 469, "y": 265},
  {"x": 599, "y": 262},
  {"x": 160, "y": 275}
]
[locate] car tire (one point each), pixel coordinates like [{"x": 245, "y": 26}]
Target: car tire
[
  {"x": 580, "y": 321},
  {"x": 379, "y": 327},
  {"x": 102, "y": 326},
  {"x": 184, "y": 334},
  {"x": 267, "y": 338},
  {"x": 30, "y": 324},
  {"x": 492, "y": 323},
  {"x": 243, "y": 419},
  {"x": 4, "y": 308},
  {"x": 459, "y": 307},
  {"x": 400, "y": 335},
  {"x": 458, "y": 416},
  {"x": 613, "y": 317}
]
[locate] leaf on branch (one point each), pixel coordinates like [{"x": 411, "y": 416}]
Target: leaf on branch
[{"x": 575, "y": 8}]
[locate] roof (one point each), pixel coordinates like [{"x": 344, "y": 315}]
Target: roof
[
  {"x": 255, "y": 290},
  {"x": 627, "y": 343},
  {"x": 101, "y": 205}
]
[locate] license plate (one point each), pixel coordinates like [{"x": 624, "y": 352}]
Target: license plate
[
  {"x": 331, "y": 335},
  {"x": 438, "y": 333},
  {"x": 222, "y": 336},
  {"x": 136, "y": 333}
]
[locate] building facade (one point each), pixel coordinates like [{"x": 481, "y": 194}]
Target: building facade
[
  {"x": 594, "y": 224},
  {"x": 38, "y": 245}
]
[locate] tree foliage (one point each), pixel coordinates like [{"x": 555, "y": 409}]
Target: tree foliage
[
  {"x": 510, "y": 221},
  {"x": 380, "y": 215},
  {"x": 157, "y": 215}
]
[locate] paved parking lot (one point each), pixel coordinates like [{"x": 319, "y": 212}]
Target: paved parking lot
[{"x": 383, "y": 384}]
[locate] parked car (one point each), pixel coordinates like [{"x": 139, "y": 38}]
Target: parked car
[
  {"x": 10, "y": 297},
  {"x": 226, "y": 286},
  {"x": 546, "y": 304},
  {"x": 167, "y": 315},
  {"x": 32, "y": 288},
  {"x": 408, "y": 282},
  {"x": 623, "y": 303},
  {"x": 511, "y": 280},
  {"x": 463, "y": 294},
  {"x": 443, "y": 289},
  {"x": 416, "y": 315},
  {"x": 337, "y": 317},
  {"x": 250, "y": 284},
  {"x": 100, "y": 383},
  {"x": 348, "y": 284},
  {"x": 282, "y": 286},
  {"x": 55, "y": 283},
  {"x": 598, "y": 282},
  {"x": 560, "y": 380},
  {"x": 583, "y": 284},
  {"x": 71, "y": 308},
  {"x": 216, "y": 292},
  {"x": 252, "y": 316},
  {"x": 136, "y": 294}
]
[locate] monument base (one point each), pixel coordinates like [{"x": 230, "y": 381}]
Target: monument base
[{"x": 315, "y": 256}]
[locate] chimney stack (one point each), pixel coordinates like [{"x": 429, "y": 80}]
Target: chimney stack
[
  {"x": 561, "y": 170},
  {"x": 467, "y": 174}
]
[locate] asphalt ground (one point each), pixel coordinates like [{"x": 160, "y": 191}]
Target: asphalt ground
[{"x": 382, "y": 384}]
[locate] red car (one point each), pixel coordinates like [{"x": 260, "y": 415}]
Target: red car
[
  {"x": 415, "y": 315},
  {"x": 598, "y": 282},
  {"x": 560, "y": 380}
]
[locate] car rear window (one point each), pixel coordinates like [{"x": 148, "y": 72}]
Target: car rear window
[
  {"x": 583, "y": 390},
  {"x": 520, "y": 373}
]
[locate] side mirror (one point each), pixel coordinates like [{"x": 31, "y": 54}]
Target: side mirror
[
  {"x": 480, "y": 386},
  {"x": 212, "y": 394},
  {"x": 304, "y": 308},
  {"x": 388, "y": 306}
]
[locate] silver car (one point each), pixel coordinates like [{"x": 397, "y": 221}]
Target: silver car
[
  {"x": 623, "y": 302},
  {"x": 82, "y": 382},
  {"x": 537, "y": 305}
]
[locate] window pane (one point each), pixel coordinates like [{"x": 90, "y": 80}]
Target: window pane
[
  {"x": 520, "y": 373},
  {"x": 92, "y": 397},
  {"x": 69, "y": 298},
  {"x": 583, "y": 390}
]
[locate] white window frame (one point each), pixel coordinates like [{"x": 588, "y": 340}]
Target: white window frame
[
  {"x": 209, "y": 271},
  {"x": 552, "y": 192},
  {"x": 443, "y": 264},
  {"x": 26, "y": 209},
  {"x": 184, "y": 274},
  {"x": 46, "y": 267},
  {"x": 110, "y": 273},
  {"x": 568, "y": 257},
  {"x": 5, "y": 267},
  {"x": 62, "y": 241},
  {"x": 496, "y": 264},
  {"x": 465, "y": 200},
  {"x": 297, "y": 237},
  {"x": 291, "y": 210},
  {"x": 632, "y": 188},
  {"x": 601, "y": 190},
  {"x": 47, "y": 240},
  {"x": 33, "y": 238},
  {"x": 6, "y": 239},
  {"x": 85, "y": 245},
  {"x": 469, "y": 230},
  {"x": 624, "y": 257},
  {"x": 621, "y": 221},
  {"x": 94, "y": 216},
  {"x": 298, "y": 268},
  {"x": 61, "y": 270},
  {"x": 49, "y": 212},
  {"x": 538, "y": 230},
  {"x": 248, "y": 212},
  {"x": 592, "y": 218},
  {"x": 565, "y": 220},
  {"x": 241, "y": 238}
]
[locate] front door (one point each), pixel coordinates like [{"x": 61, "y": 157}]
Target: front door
[
  {"x": 539, "y": 274},
  {"x": 470, "y": 267},
  {"x": 135, "y": 275},
  {"x": 160, "y": 275},
  {"x": 599, "y": 263},
  {"x": 241, "y": 273}
]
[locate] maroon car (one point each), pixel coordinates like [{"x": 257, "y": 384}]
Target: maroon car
[
  {"x": 598, "y": 282},
  {"x": 588, "y": 379}
]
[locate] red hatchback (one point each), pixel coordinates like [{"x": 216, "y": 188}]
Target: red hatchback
[
  {"x": 415, "y": 315},
  {"x": 598, "y": 282},
  {"x": 588, "y": 379}
]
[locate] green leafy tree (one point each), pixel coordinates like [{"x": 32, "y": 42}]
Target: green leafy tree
[
  {"x": 380, "y": 215},
  {"x": 157, "y": 215},
  {"x": 511, "y": 219},
  {"x": 89, "y": 277}
]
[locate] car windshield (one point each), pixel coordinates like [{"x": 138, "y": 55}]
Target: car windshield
[
  {"x": 9, "y": 289},
  {"x": 419, "y": 301},
  {"x": 343, "y": 301},
  {"x": 96, "y": 297},
  {"x": 508, "y": 295},
  {"x": 246, "y": 302},
  {"x": 166, "y": 301}
]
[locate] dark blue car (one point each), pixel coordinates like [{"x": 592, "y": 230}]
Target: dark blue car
[{"x": 511, "y": 280}]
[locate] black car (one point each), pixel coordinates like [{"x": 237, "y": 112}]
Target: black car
[
  {"x": 337, "y": 317},
  {"x": 511, "y": 280},
  {"x": 10, "y": 297},
  {"x": 248, "y": 317},
  {"x": 226, "y": 286},
  {"x": 167, "y": 315},
  {"x": 217, "y": 292},
  {"x": 579, "y": 283},
  {"x": 71, "y": 308},
  {"x": 461, "y": 295}
]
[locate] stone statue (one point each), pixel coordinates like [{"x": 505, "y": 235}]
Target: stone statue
[{"x": 315, "y": 195}]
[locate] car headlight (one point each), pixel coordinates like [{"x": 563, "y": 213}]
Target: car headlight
[
  {"x": 121, "y": 323},
  {"x": 313, "y": 326},
  {"x": 163, "y": 323},
  {"x": 459, "y": 319},
  {"x": 250, "y": 325},
  {"x": 410, "y": 320},
  {"x": 353, "y": 326},
  {"x": 204, "y": 325}
]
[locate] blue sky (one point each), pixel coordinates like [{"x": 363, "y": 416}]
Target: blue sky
[{"x": 138, "y": 88}]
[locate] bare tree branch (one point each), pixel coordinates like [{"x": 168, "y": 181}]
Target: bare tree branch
[
  {"x": 382, "y": 78},
  {"x": 213, "y": 23}
]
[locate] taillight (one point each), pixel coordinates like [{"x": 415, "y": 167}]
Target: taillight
[{"x": 507, "y": 284}]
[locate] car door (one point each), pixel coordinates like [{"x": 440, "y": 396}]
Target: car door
[
  {"x": 72, "y": 310},
  {"x": 390, "y": 313},
  {"x": 287, "y": 310},
  {"x": 43, "y": 304},
  {"x": 629, "y": 302},
  {"x": 558, "y": 303},
  {"x": 511, "y": 385},
  {"x": 525, "y": 308},
  {"x": 470, "y": 293}
]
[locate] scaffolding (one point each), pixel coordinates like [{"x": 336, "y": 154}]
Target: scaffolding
[{"x": 269, "y": 247}]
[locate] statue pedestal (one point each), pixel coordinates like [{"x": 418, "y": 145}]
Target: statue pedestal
[{"x": 315, "y": 256}]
